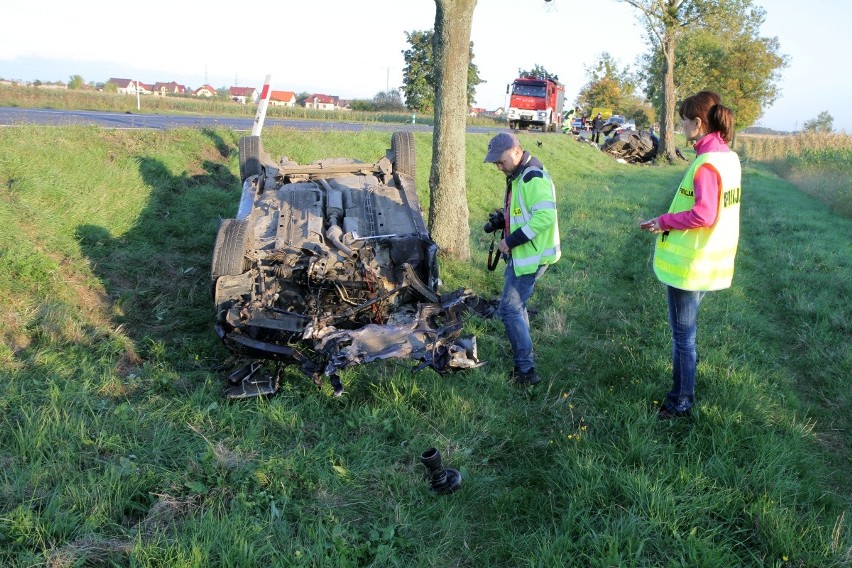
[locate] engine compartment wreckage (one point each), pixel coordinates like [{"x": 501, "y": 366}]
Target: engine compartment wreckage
[{"x": 330, "y": 265}]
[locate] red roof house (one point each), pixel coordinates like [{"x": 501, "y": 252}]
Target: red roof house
[
  {"x": 282, "y": 98},
  {"x": 318, "y": 101},
  {"x": 243, "y": 95},
  {"x": 204, "y": 91}
]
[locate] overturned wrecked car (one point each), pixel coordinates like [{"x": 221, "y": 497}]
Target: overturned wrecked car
[
  {"x": 631, "y": 146},
  {"x": 329, "y": 265}
]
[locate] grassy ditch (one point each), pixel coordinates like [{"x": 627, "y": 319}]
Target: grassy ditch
[{"x": 118, "y": 448}]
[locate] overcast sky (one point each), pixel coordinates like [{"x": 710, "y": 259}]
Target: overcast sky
[{"x": 353, "y": 49}]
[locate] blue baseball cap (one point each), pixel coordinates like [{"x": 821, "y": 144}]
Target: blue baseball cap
[{"x": 499, "y": 144}]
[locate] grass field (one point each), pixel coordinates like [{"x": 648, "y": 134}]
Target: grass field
[{"x": 117, "y": 447}]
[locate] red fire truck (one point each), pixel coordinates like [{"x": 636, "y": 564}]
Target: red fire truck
[{"x": 537, "y": 103}]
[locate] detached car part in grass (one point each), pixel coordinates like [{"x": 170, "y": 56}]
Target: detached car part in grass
[{"x": 330, "y": 265}]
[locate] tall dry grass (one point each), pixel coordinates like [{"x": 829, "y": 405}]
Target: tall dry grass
[{"x": 820, "y": 164}]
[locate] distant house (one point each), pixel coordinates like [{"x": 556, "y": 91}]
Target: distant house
[
  {"x": 243, "y": 95},
  {"x": 476, "y": 111},
  {"x": 320, "y": 102},
  {"x": 171, "y": 88},
  {"x": 204, "y": 91},
  {"x": 124, "y": 86},
  {"x": 130, "y": 87},
  {"x": 282, "y": 98}
]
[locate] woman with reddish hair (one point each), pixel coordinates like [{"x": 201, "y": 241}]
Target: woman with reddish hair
[{"x": 697, "y": 238}]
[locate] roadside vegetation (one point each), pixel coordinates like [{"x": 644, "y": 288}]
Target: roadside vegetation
[
  {"x": 75, "y": 99},
  {"x": 818, "y": 163},
  {"x": 117, "y": 447}
]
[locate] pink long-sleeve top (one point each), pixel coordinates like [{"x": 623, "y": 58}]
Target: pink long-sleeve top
[{"x": 707, "y": 187}]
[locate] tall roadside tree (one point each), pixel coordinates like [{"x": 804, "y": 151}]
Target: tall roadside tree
[
  {"x": 418, "y": 76},
  {"x": 448, "y": 214},
  {"x": 666, "y": 22},
  {"x": 727, "y": 56}
]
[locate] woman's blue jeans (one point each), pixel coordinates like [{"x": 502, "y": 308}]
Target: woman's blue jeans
[
  {"x": 513, "y": 313},
  {"x": 683, "y": 315}
]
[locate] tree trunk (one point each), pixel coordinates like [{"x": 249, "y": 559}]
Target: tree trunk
[
  {"x": 448, "y": 214},
  {"x": 667, "y": 144}
]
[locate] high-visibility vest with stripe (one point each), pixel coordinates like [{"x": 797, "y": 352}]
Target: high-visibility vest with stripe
[
  {"x": 538, "y": 195},
  {"x": 703, "y": 258}
]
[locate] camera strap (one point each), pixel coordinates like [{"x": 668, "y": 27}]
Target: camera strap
[{"x": 494, "y": 259}]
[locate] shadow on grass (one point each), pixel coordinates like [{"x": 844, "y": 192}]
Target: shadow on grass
[{"x": 157, "y": 274}]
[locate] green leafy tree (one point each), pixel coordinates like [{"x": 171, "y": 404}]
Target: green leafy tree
[
  {"x": 538, "y": 72},
  {"x": 388, "y": 101},
  {"x": 382, "y": 101},
  {"x": 76, "y": 82},
  {"x": 609, "y": 86},
  {"x": 302, "y": 97},
  {"x": 419, "y": 80},
  {"x": 666, "y": 21},
  {"x": 823, "y": 122},
  {"x": 362, "y": 104},
  {"x": 728, "y": 57},
  {"x": 418, "y": 83}
]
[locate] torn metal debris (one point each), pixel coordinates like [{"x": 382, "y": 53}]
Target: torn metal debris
[{"x": 330, "y": 265}]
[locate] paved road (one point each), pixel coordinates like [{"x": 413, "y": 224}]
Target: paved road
[{"x": 18, "y": 116}]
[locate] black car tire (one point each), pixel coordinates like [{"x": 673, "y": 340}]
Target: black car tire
[
  {"x": 229, "y": 252},
  {"x": 250, "y": 153},
  {"x": 402, "y": 147}
]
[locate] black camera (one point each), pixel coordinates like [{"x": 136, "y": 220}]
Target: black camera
[{"x": 496, "y": 221}]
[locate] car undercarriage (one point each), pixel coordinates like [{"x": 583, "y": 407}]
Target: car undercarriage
[{"x": 330, "y": 265}]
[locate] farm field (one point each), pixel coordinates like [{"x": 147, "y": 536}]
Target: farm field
[{"x": 118, "y": 448}]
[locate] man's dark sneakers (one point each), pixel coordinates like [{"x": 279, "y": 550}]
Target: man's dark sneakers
[
  {"x": 665, "y": 414},
  {"x": 525, "y": 378}
]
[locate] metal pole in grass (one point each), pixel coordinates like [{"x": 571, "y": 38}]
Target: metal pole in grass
[
  {"x": 261, "y": 108},
  {"x": 138, "y": 106}
]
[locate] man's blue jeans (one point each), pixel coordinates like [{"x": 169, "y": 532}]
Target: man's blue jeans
[
  {"x": 683, "y": 315},
  {"x": 513, "y": 313}
]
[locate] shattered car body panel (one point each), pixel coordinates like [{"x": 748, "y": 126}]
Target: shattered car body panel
[{"x": 330, "y": 265}]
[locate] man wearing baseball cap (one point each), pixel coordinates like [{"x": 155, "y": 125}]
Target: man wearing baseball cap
[{"x": 531, "y": 243}]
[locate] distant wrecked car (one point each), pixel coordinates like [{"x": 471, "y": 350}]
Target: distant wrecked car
[
  {"x": 329, "y": 265},
  {"x": 632, "y": 146}
]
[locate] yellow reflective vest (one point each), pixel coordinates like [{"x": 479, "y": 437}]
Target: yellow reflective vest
[
  {"x": 703, "y": 258},
  {"x": 533, "y": 209}
]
